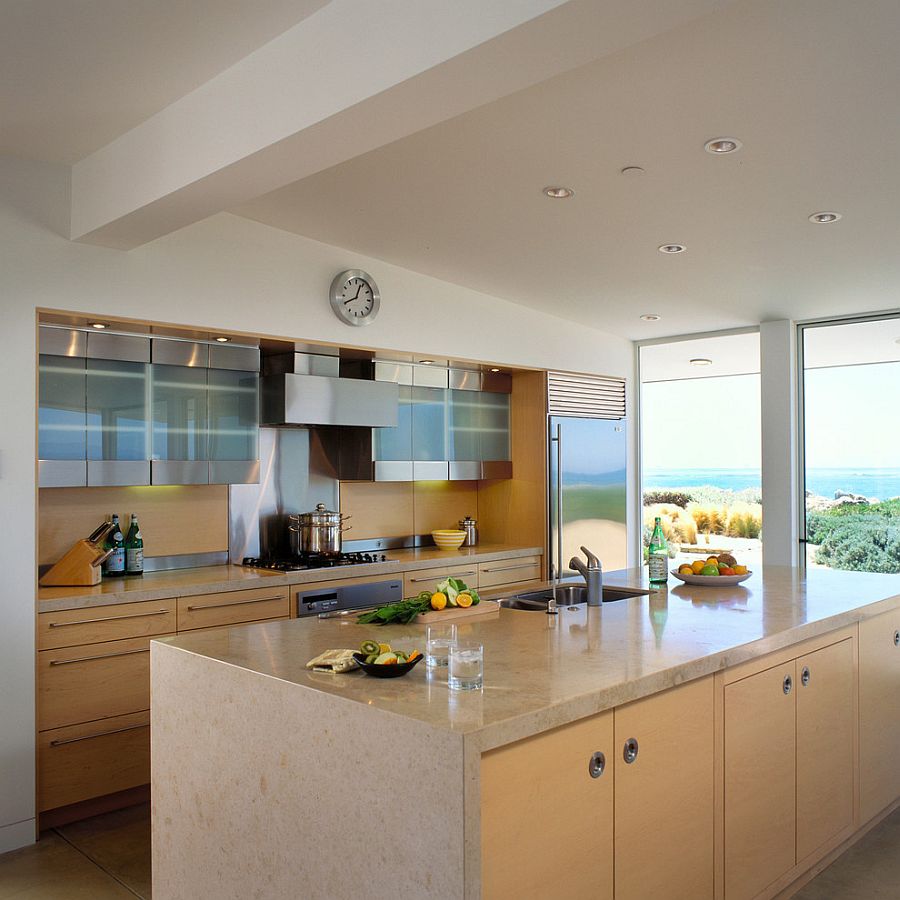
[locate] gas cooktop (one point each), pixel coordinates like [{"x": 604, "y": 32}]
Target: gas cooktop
[{"x": 312, "y": 561}]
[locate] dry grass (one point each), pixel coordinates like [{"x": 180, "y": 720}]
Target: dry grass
[
  {"x": 737, "y": 520},
  {"x": 677, "y": 524}
]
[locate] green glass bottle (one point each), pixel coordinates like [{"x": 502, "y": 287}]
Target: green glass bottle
[
  {"x": 134, "y": 549},
  {"x": 114, "y": 564},
  {"x": 658, "y": 555}
]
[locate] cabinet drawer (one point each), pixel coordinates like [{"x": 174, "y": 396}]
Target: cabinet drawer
[
  {"x": 509, "y": 571},
  {"x": 93, "y": 681},
  {"x": 428, "y": 579},
  {"x": 97, "y": 624},
  {"x": 232, "y": 608},
  {"x": 84, "y": 761}
]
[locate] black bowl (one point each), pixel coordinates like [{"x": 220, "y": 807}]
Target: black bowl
[{"x": 383, "y": 671}]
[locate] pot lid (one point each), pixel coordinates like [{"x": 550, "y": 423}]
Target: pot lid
[{"x": 321, "y": 514}]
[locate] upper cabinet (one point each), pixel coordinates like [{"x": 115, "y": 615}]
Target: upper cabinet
[
  {"x": 453, "y": 425},
  {"x": 132, "y": 410}
]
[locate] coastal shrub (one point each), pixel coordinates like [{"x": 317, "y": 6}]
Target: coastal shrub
[
  {"x": 744, "y": 520},
  {"x": 862, "y": 544},
  {"x": 675, "y": 498},
  {"x": 822, "y": 523},
  {"x": 709, "y": 494},
  {"x": 709, "y": 518},
  {"x": 677, "y": 525}
]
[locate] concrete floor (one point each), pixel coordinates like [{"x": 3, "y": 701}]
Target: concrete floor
[{"x": 108, "y": 858}]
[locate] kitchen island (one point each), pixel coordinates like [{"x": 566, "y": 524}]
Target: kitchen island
[{"x": 274, "y": 781}]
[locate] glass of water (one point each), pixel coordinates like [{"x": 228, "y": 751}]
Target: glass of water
[
  {"x": 466, "y": 666},
  {"x": 438, "y": 641}
]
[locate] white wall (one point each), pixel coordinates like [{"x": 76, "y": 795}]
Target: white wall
[{"x": 225, "y": 272}]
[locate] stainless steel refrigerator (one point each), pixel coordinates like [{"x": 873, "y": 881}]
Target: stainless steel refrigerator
[{"x": 588, "y": 502}]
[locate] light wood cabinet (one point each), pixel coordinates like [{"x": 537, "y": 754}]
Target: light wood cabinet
[
  {"x": 879, "y": 713},
  {"x": 664, "y": 797},
  {"x": 79, "y": 762},
  {"x": 233, "y": 608},
  {"x": 760, "y": 778},
  {"x": 71, "y": 627},
  {"x": 509, "y": 571},
  {"x": 826, "y": 709},
  {"x": 546, "y": 823},
  {"x": 426, "y": 579},
  {"x": 93, "y": 681}
]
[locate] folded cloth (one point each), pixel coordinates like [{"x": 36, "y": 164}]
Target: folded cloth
[{"x": 333, "y": 661}]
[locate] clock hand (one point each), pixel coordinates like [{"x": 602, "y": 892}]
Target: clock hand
[{"x": 353, "y": 298}]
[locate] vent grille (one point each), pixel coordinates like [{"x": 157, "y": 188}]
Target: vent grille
[{"x": 583, "y": 395}]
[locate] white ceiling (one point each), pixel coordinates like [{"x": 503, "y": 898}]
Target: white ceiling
[
  {"x": 854, "y": 343},
  {"x": 809, "y": 86},
  {"x": 733, "y": 354},
  {"x": 75, "y": 74}
]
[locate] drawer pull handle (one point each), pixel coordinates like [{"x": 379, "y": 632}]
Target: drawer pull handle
[
  {"x": 87, "y": 737},
  {"x": 788, "y": 684},
  {"x": 597, "y": 764},
  {"x": 630, "y": 751},
  {"x": 897, "y": 638},
  {"x": 234, "y": 603},
  {"x": 158, "y": 612},
  {"x": 432, "y": 578},
  {"x": 804, "y": 676},
  {"x": 66, "y": 662},
  {"x": 528, "y": 565}
]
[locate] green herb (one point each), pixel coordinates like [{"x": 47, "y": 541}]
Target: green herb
[{"x": 403, "y": 612}]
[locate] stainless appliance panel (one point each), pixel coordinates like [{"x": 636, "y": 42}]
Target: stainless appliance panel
[
  {"x": 355, "y": 596},
  {"x": 61, "y": 341},
  {"x": 465, "y": 470},
  {"x": 118, "y": 346},
  {"x": 430, "y": 376},
  {"x": 116, "y": 472},
  {"x": 234, "y": 471},
  {"x": 588, "y": 459},
  {"x": 226, "y": 356},
  {"x": 62, "y": 473},
  {"x": 399, "y": 373},
  {"x": 430, "y": 471},
  {"x": 178, "y": 471},
  {"x": 465, "y": 380},
  {"x": 393, "y": 470},
  {"x": 320, "y": 400},
  {"x": 179, "y": 353}
]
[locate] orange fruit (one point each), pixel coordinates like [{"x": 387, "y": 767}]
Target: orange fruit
[
  {"x": 686, "y": 570},
  {"x": 439, "y": 600},
  {"x": 697, "y": 566},
  {"x": 740, "y": 570},
  {"x": 464, "y": 600}
]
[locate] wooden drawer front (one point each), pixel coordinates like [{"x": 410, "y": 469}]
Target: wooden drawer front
[
  {"x": 428, "y": 579},
  {"x": 509, "y": 571},
  {"x": 232, "y": 608},
  {"x": 97, "y": 624},
  {"x": 84, "y": 761},
  {"x": 93, "y": 681}
]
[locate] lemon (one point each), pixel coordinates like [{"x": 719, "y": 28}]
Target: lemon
[
  {"x": 697, "y": 566},
  {"x": 685, "y": 570},
  {"x": 464, "y": 600},
  {"x": 438, "y": 600}
]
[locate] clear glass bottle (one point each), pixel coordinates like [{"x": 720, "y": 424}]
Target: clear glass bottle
[
  {"x": 658, "y": 555},
  {"x": 114, "y": 565},
  {"x": 134, "y": 549}
]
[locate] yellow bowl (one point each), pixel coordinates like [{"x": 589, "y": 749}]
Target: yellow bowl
[{"x": 446, "y": 539}]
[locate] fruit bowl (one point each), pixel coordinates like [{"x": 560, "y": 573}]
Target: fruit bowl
[
  {"x": 448, "y": 539},
  {"x": 711, "y": 580},
  {"x": 382, "y": 671}
]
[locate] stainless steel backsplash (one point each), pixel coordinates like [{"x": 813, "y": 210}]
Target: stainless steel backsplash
[{"x": 294, "y": 475}]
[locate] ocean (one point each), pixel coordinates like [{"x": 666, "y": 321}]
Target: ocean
[{"x": 880, "y": 483}]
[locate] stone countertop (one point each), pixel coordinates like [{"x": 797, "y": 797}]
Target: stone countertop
[
  {"x": 543, "y": 671},
  {"x": 216, "y": 579}
]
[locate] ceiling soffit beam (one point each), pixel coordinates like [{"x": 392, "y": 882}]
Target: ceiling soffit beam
[{"x": 352, "y": 77}]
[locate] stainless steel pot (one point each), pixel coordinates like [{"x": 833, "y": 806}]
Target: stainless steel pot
[{"x": 320, "y": 530}]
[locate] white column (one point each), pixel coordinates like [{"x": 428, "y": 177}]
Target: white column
[{"x": 780, "y": 430}]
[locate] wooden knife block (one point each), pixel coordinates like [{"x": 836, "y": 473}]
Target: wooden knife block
[{"x": 79, "y": 566}]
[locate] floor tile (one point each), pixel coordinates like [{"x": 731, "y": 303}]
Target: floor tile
[
  {"x": 51, "y": 869},
  {"x": 869, "y": 870},
  {"x": 119, "y": 842}
]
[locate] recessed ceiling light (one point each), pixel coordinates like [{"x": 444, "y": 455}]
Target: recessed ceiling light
[
  {"x": 223, "y": 339},
  {"x": 824, "y": 218},
  {"x": 98, "y": 325},
  {"x": 718, "y": 146},
  {"x": 701, "y": 361},
  {"x": 559, "y": 193},
  {"x": 672, "y": 248},
  {"x": 426, "y": 362},
  {"x": 650, "y": 317},
  {"x": 495, "y": 370},
  {"x": 631, "y": 171}
]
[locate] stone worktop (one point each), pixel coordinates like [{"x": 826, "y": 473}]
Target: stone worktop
[
  {"x": 216, "y": 579},
  {"x": 543, "y": 671}
]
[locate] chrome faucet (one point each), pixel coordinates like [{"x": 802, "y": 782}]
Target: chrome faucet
[{"x": 592, "y": 574}]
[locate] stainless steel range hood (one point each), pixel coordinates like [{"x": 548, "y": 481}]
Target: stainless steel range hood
[{"x": 306, "y": 389}]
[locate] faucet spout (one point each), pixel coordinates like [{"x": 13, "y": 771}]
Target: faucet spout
[{"x": 592, "y": 573}]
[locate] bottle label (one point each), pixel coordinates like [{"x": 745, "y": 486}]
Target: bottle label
[
  {"x": 659, "y": 566},
  {"x": 115, "y": 562},
  {"x": 134, "y": 560}
]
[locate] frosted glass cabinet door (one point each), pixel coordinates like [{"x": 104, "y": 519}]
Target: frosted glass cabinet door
[
  {"x": 117, "y": 421},
  {"x": 233, "y": 414},
  {"x": 429, "y": 424},
  {"x": 61, "y": 407},
  {"x": 179, "y": 412},
  {"x": 494, "y": 426},
  {"x": 463, "y": 425},
  {"x": 395, "y": 444}
]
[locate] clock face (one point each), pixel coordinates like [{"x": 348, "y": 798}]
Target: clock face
[{"x": 354, "y": 297}]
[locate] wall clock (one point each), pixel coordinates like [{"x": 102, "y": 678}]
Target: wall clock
[{"x": 354, "y": 297}]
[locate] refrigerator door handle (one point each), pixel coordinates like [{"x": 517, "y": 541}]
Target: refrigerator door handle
[{"x": 559, "y": 504}]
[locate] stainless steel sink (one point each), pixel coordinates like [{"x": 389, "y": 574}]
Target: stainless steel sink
[{"x": 566, "y": 595}]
